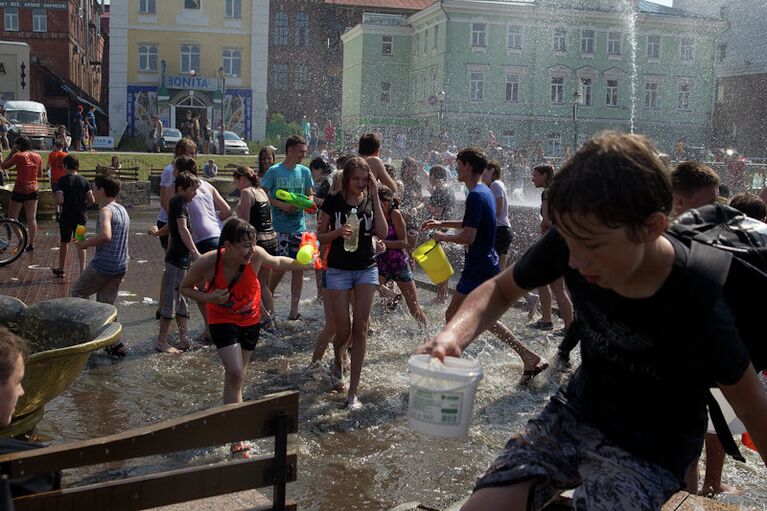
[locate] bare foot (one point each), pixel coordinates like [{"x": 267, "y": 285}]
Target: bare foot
[
  {"x": 529, "y": 374},
  {"x": 190, "y": 346},
  {"x": 166, "y": 348},
  {"x": 438, "y": 301},
  {"x": 711, "y": 491}
]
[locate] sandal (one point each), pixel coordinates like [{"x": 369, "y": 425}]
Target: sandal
[
  {"x": 117, "y": 350},
  {"x": 529, "y": 374},
  {"x": 242, "y": 448}
]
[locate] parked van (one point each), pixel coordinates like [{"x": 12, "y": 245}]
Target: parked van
[{"x": 30, "y": 119}]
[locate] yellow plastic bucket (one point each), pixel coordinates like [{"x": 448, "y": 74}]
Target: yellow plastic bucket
[{"x": 433, "y": 260}]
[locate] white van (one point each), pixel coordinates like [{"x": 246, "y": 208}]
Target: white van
[{"x": 30, "y": 119}]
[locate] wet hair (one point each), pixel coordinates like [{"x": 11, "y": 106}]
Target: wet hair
[
  {"x": 185, "y": 164},
  {"x": 184, "y": 147},
  {"x": 547, "y": 171},
  {"x": 108, "y": 182},
  {"x": 724, "y": 191},
  {"x": 23, "y": 143},
  {"x": 615, "y": 178},
  {"x": 249, "y": 174},
  {"x": 350, "y": 166},
  {"x": 319, "y": 163},
  {"x": 386, "y": 194},
  {"x": 341, "y": 160},
  {"x": 185, "y": 180},
  {"x": 690, "y": 176},
  {"x": 234, "y": 231},
  {"x": 438, "y": 173},
  {"x": 475, "y": 158},
  {"x": 262, "y": 158},
  {"x": 368, "y": 145},
  {"x": 293, "y": 140},
  {"x": 750, "y": 204},
  {"x": 11, "y": 346},
  {"x": 70, "y": 161},
  {"x": 496, "y": 168}
]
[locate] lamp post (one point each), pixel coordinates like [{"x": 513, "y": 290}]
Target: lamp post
[
  {"x": 441, "y": 113},
  {"x": 221, "y": 145},
  {"x": 576, "y": 100}
]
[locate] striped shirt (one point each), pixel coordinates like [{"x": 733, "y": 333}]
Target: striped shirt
[{"x": 112, "y": 257}]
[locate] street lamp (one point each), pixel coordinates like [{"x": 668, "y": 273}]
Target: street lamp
[
  {"x": 441, "y": 113},
  {"x": 221, "y": 145},
  {"x": 576, "y": 100}
]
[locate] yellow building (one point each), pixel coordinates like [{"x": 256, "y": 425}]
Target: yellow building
[{"x": 170, "y": 57}]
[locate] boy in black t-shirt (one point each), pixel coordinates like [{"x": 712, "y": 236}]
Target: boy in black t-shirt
[
  {"x": 631, "y": 420},
  {"x": 73, "y": 196}
]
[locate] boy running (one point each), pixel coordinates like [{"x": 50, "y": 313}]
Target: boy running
[
  {"x": 72, "y": 196},
  {"x": 630, "y": 421}
]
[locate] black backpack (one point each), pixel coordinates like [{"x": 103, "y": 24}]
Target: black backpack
[{"x": 728, "y": 257}]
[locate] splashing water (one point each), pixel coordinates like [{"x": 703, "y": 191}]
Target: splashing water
[{"x": 631, "y": 25}]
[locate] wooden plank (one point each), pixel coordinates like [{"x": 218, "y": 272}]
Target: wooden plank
[
  {"x": 161, "y": 489},
  {"x": 215, "y": 426},
  {"x": 290, "y": 505}
]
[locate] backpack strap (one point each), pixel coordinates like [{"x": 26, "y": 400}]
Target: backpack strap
[{"x": 708, "y": 268}]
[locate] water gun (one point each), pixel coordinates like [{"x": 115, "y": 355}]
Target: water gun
[
  {"x": 298, "y": 200},
  {"x": 309, "y": 250},
  {"x": 80, "y": 233}
]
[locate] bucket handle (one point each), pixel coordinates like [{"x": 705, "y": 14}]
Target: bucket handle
[{"x": 436, "y": 244}]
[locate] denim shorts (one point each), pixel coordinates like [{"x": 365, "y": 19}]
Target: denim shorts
[{"x": 348, "y": 279}]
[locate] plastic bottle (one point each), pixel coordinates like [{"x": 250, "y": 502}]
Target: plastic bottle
[{"x": 350, "y": 243}]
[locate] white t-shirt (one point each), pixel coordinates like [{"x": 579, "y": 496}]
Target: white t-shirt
[
  {"x": 166, "y": 179},
  {"x": 502, "y": 214}
]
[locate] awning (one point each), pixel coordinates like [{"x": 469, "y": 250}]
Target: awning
[{"x": 83, "y": 100}]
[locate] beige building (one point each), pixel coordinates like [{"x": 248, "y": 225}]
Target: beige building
[
  {"x": 14, "y": 71},
  {"x": 179, "y": 58}
]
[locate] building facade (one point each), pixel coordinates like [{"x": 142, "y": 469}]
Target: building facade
[
  {"x": 14, "y": 66},
  {"x": 545, "y": 72},
  {"x": 176, "y": 56},
  {"x": 66, "y": 50}
]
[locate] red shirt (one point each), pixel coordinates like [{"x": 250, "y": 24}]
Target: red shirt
[
  {"x": 28, "y": 165},
  {"x": 330, "y": 133},
  {"x": 244, "y": 307},
  {"x": 56, "y": 163}
]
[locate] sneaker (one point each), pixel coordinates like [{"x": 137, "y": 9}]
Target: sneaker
[
  {"x": 353, "y": 403},
  {"x": 543, "y": 325},
  {"x": 336, "y": 376},
  {"x": 532, "y": 305}
]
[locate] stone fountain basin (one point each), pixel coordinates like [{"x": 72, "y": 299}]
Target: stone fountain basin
[
  {"x": 46, "y": 204},
  {"x": 62, "y": 333}
]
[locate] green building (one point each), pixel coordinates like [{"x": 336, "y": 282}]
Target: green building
[{"x": 522, "y": 68}]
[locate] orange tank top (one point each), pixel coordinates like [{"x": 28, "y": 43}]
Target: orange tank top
[{"x": 244, "y": 305}]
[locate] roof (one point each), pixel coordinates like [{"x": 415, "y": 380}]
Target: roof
[
  {"x": 647, "y": 7},
  {"x": 409, "y": 5}
]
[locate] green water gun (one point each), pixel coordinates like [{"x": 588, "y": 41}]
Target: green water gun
[{"x": 298, "y": 200}]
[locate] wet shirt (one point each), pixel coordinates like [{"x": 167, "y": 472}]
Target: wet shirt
[
  {"x": 295, "y": 180},
  {"x": 205, "y": 223},
  {"x": 177, "y": 254},
  {"x": 338, "y": 210},
  {"x": 75, "y": 188},
  {"x": 443, "y": 197},
  {"x": 499, "y": 192},
  {"x": 167, "y": 180},
  {"x": 56, "y": 163},
  {"x": 112, "y": 257},
  {"x": 645, "y": 366},
  {"x": 244, "y": 305},
  {"x": 481, "y": 257},
  {"x": 28, "y": 165}
]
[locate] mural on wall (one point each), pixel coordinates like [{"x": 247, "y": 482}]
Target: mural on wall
[
  {"x": 142, "y": 107},
  {"x": 238, "y": 112}
]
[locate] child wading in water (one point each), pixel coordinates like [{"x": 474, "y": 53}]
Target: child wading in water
[{"x": 232, "y": 299}]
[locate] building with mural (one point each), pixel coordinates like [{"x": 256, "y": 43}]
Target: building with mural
[
  {"x": 534, "y": 72},
  {"x": 206, "y": 58}
]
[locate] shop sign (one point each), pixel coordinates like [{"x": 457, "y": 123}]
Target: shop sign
[
  {"x": 103, "y": 142},
  {"x": 34, "y": 5},
  {"x": 191, "y": 82}
]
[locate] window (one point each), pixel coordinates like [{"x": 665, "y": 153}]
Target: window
[
  {"x": 555, "y": 144},
  {"x": 719, "y": 92},
  {"x": 280, "y": 76},
  {"x": 385, "y": 92},
  {"x": 587, "y": 42},
  {"x": 302, "y": 76},
  {"x": 721, "y": 54},
  {"x": 683, "y": 96},
  {"x": 232, "y": 63},
  {"x": 512, "y": 88},
  {"x": 302, "y": 30},
  {"x": 585, "y": 90},
  {"x": 651, "y": 94},
  {"x": 653, "y": 47},
  {"x": 612, "y": 93},
  {"x": 39, "y": 20},
  {"x": 479, "y": 35},
  {"x": 281, "y": 29},
  {"x": 560, "y": 36},
  {"x": 557, "y": 90},
  {"x": 476, "y": 85},
  {"x": 146, "y": 7},
  {"x": 147, "y": 59},
  {"x": 425, "y": 41},
  {"x": 11, "y": 19},
  {"x": 514, "y": 37},
  {"x": 435, "y": 37},
  {"x": 233, "y": 9},
  {"x": 417, "y": 44},
  {"x": 192, "y": 4},
  {"x": 686, "y": 50},
  {"x": 614, "y": 40},
  {"x": 190, "y": 58},
  {"x": 386, "y": 45}
]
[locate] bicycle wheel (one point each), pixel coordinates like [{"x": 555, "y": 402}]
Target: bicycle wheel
[{"x": 13, "y": 240}]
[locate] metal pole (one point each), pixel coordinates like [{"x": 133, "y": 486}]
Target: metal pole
[
  {"x": 575, "y": 125},
  {"x": 222, "y": 145}
]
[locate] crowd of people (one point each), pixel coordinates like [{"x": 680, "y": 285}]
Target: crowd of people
[{"x": 627, "y": 427}]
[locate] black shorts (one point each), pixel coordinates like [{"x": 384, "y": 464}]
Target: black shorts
[
  {"x": 502, "y": 239},
  {"x": 269, "y": 245},
  {"x": 227, "y": 334},
  {"x": 68, "y": 224},
  {"x": 208, "y": 245},
  {"x": 163, "y": 239},
  {"x": 23, "y": 197}
]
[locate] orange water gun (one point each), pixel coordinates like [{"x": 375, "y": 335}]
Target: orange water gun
[{"x": 309, "y": 250}]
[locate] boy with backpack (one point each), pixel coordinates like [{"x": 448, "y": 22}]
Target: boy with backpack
[
  {"x": 73, "y": 196},
  {"x": 630, "y": 421}
]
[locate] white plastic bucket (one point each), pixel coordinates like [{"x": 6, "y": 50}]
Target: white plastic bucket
[{"x": 442, "y": 396}]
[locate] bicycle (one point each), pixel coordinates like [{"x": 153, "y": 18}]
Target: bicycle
[{"x": 14, "y": 238}]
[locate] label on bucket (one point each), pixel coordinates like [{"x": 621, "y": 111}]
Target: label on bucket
[{"x": 442, "y": 408}]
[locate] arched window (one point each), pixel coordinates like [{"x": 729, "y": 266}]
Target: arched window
[
  {"x": 147, "y": 59},
  {"x": 232, "y": 60},
  {"x": 302, "y": 30},
  {"x": 281, "y": 25}
]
